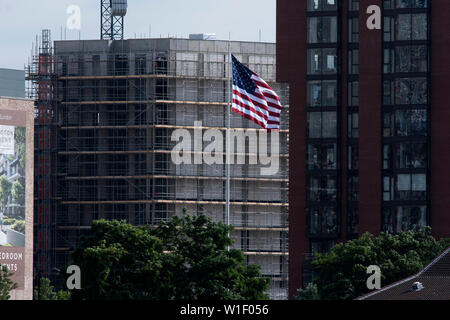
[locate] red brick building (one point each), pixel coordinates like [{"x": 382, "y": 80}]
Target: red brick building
[{"x": 370, "y": 135}]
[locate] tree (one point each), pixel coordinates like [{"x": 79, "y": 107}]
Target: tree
[
  {"x": 202, "y": 267},
  {"x": 342, "y": 272},
  {"x": 310, "y": 293},
  {"x": 5, "y": 191},
  {"x": 46, "y": 292},
  {"x": 185, "y": 258},
  {"x": 18, "y": 193},
  {"x": 6, "y": 284},
  {"x": 20, "y": 141}
]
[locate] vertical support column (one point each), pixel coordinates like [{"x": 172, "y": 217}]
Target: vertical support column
[
  {"x": 291, "y": 68},
  {"x": 370, "y": 117},
  {"x": 440, "y": 113}
]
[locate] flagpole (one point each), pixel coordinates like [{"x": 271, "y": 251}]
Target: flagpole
[{"x": 227, "y": 161}]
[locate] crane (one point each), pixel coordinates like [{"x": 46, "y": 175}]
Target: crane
[{"x": 112, "y": 18}]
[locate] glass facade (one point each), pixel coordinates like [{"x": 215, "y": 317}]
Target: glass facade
[
  {"x": 353, "y": 120},
  {"x": 323, "y": 123},
  {"x": 406, "y": 50}
]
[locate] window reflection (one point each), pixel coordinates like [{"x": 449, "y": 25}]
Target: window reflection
[
  {"x": 411, "y": 187},
  {"x": 412, "y": 26},
  {"x": 323, "y": 221},
  {"x": 322, "y": 93},
  {"x": 412, "y": 59},
  {"x": 322, "y": 125},
  {"x": 322, "y": 156},
  {"x": 412, "y": 155},
  {"x": 322, "y": 29},
  {"x": 322, "y": 188},
  {"x": 411, "y": 122},
  {"x": 322, "y": 61},
  {"x": 411, "y": 91}
]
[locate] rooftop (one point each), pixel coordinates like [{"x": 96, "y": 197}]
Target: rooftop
[{"x": 435, "y": 279}]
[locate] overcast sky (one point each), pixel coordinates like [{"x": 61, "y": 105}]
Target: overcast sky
[{"x": 22, "y": 20}]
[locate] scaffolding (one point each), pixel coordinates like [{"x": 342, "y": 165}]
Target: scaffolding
[
  {"x": 114, "y": 110},
  {"x": 41, "y": 76}
]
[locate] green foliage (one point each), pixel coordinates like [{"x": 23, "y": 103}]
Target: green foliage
[
  {"x": 6, "y": 284},
  {"x": 5, "y": 191},
  {"x": 341, "y": 273},
  {"x": 201, "y": 266},
  {"x": 19, "y": 226},
  {"x": 8, "y": 221},
  {"x": 46, "y": 292},
  {"x": 310, "y": 293},
  {"x": 20, "y": 140},
  {"x": 185, "y": 258},
  {"x": 18, "y": 193}
]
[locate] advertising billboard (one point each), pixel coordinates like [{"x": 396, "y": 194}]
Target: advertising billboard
[{"x": 16, "y": 192}]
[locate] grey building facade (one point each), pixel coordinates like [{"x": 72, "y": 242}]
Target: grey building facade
[{"x": 12, "y": 83}]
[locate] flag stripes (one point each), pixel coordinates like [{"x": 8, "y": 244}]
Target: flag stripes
[{"x": 254, "y": 99}]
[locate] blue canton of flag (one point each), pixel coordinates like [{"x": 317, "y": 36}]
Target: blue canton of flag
[{"x": 254, "y": 99}]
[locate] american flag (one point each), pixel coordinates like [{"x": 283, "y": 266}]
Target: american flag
[{"x": 254, "y": 99}]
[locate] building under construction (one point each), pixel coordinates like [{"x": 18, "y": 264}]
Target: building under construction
[{"x": 105, "y": 114}]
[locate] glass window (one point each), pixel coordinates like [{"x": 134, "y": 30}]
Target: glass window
[
  {"x": 412, "y": 26},
  {"x": 321, "y": 246},
  {"x": 323, "y": 220},
  {"x": 314, "y": 157},
  {"x": 353, "y": 125},
  {"x": 388, "y": 188},
  {"x": 410, "y": 218},
  {"x": 353, "y": 157},
  {"x": 411, "y": 155},
  {"x": 388, "y": 220},
  {"x": 353, "y": 61},
  {"x": 388, "y": 61},
  {"x": 411, "y": 123},
  {"x": 387, "y": 157},
  {"x": 411, "y": 91},
  {"x": 412, "y": 3},
  {"x": 314, "y": 125},
  {"x": 388, "y": 4},
  {"x": 322, "y": 156},
  {"x": 388, "y": 92},
  {"x": 314, "y": 93},
  {"x": 353, "y": 94},
  {"x": 322, "y": 93},
  {"x": 322, "y": 5},
  {"x": 353, "y": 188},
  {"x": 322, "y": 188},
  {"x": 314, "y": 189},
  {"x": 388, "y": 29},
  {"x": 322, "y": 30},
  {"x": 329, "y": 125},
  {"x": 322, "y": 61},
  {"x": 411, "y": 186},
  {"x": 352, "y": 220},
  {"x": 353, "y": 30},
  {"x": 330, "y": 160},
  {"x": 411, "y": 59},
  {"x": 353, "y": 5},
  {"x": 322, "y": 125},
  {"x": 388, "y": 124}
]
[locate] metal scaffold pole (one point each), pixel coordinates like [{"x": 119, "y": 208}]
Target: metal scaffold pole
[{"x": 228, "y": 151}]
